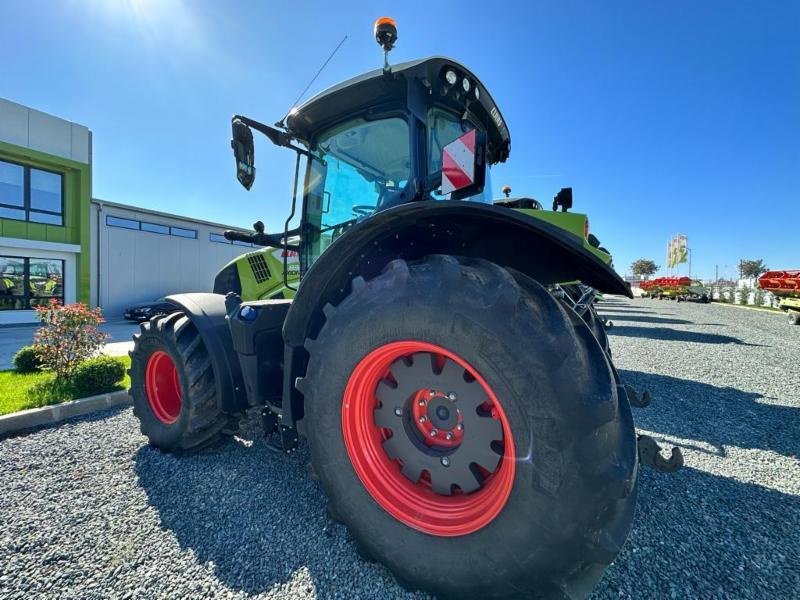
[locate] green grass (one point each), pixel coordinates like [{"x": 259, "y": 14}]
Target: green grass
[{"x": 17, "y": 389}]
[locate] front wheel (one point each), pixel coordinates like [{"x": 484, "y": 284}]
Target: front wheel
[
  {"x": 173, "y": 386},
  {"x": 468, "y": 434}
]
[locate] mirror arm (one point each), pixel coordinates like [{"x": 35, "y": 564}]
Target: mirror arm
[{"x": 276, "y": 136}]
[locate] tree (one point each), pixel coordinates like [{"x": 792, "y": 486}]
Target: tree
[
  {"x": 644, "y": 267},
  {"x": 752, "y": 268}
]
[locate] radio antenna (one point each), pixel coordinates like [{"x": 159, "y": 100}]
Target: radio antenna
[{"x": 281, "y": 123}]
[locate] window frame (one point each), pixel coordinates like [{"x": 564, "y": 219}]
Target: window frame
[
  {"x": 26, "y": 196},
  {"x": 26, "y": 281}
]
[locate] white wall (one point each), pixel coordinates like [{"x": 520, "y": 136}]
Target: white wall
[{"x": 138, "y": 266}]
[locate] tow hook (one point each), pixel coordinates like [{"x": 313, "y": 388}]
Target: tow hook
[
  {"x": 650, "y": 455},
  {"x": 635, "y": 399}
]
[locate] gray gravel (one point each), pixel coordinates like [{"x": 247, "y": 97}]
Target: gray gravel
[{"x": 88, "y": 510}]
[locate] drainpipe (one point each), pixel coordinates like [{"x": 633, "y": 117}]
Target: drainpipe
[{"x": 99, "y": 247}]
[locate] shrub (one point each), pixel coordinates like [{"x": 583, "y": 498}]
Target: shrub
[
  {"x": 744, "y": 295},
  {"x": 68, "y": 336},
  {"x": 758, "y": 296},
  {"x": 27, "y": 359},
  {"x": 97, "y": 376}
]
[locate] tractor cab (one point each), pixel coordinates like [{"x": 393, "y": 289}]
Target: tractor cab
[{"x": 424, "y": 130}]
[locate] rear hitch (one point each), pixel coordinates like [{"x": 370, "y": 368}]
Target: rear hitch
[
  {"x": 634, "y": 399},
  {"x": 650, "y": 455}
]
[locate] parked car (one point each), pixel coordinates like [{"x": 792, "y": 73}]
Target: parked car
[{"x": 146, "y": 310}]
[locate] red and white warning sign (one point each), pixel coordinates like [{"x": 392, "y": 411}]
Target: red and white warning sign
[{"x": 458, "y": 163}]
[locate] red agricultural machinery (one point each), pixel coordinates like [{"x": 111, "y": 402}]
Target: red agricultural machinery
[
  {"x": 681, "y": 289},
  {"x": 786, "y": 286}
]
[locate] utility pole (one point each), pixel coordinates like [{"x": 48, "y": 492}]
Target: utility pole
[{"x": 716, "y": 273}]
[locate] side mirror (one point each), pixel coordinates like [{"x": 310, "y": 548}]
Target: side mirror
[
  {"x": 243, "y": 153},
  {"x": 463, "y": 167}
]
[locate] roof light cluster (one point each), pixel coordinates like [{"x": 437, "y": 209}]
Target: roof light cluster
[{"x": 451, "y": 79}]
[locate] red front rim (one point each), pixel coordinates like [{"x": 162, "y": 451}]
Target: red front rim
[
  {"x": 163, "y": 388},
  {"x": 428, "y": 438}
]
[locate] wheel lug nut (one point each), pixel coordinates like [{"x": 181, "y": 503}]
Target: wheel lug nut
[
  {"x": 445, "y": 461},
  {"x": 434, "y": 432},
  {"x": 459, "y": 426},
  {"x": 421, "y": 402},
  {"x": 448, "y": 435},
  {"x": 452, "y": 396},
  {"x": 398, "y": 411},
  {"x": 431, "y": 393},
  {"x": 423, "y": 418}
]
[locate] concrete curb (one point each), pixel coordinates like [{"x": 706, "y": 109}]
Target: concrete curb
[{"x": 49, "y": 415}]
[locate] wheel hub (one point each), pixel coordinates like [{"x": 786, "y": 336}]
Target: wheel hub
[
  {"x": 428, "y": 438},
  {"x": 434, "y": 424},
  {"x": 437, "y": 419}
]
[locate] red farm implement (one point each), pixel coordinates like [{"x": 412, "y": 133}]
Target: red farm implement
[
  {"x": 676, "y": 288},
  {"x": 786, "y": 286}
]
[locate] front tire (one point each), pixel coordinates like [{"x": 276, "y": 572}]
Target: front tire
[
  {"x": 541, "y": 517},
  {"x": 173, "y": 387}
]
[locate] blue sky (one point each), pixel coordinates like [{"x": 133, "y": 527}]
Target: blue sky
[{"x": 664, "y": 117}]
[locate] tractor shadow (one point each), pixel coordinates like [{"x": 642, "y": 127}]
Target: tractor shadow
[
  {"x": 752, "y": 532},
  {"x": 717, "y": 416},
  {"x": 675, "y": 335},
  {"x": 257, "y": 517}
]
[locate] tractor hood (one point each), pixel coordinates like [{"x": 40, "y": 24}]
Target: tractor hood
[{"x": 416, "y": 85}]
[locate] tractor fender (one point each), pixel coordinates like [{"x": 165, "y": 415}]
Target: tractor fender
[
  {"x": 208, "y": 313},
  {"x": 509, "y": 238}
]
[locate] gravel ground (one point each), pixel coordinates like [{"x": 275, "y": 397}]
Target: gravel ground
[{"x": 88, "y": 510}]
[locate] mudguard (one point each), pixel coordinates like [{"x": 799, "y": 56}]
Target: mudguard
[
  {"x": 208, "y": 312},
  {"x": 506, "y": 237}
]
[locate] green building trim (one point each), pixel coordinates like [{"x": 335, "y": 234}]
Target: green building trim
[{"x": 77, "y": 198}]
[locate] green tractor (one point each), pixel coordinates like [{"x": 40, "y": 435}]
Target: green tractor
[{"x": 461, "y": 416}]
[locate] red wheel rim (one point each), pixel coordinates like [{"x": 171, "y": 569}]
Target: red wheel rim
[
  {"x": 388, "y": 469},
  {"x": 163, "y": 388}
]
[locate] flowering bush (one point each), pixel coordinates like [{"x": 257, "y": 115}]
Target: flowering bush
[{"x": 68, "y": 335}]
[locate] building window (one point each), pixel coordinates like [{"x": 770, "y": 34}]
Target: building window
[
  {"x": 155, "y": 228},
  {"x": 123, "y": 223},
  {"x": 29, "y": 282},
  {"x": 184, "y": 233},
  {"x": 112, "y": 221},
  {"x": 218, "y": 237},
  {"x": 29, "y": 194}
]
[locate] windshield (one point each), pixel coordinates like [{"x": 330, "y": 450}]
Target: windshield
[
  {"x": 362, "y": 166},
  {"x": 443, "y": 128}
]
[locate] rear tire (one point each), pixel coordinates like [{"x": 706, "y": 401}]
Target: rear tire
[
  {"x": 794, "y": 317},
  {"x": 568, "y": 439},
  {"x": 173, "y": 387}
]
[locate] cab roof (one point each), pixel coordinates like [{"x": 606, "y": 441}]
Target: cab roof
[{"x": 377, "y": 92}]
